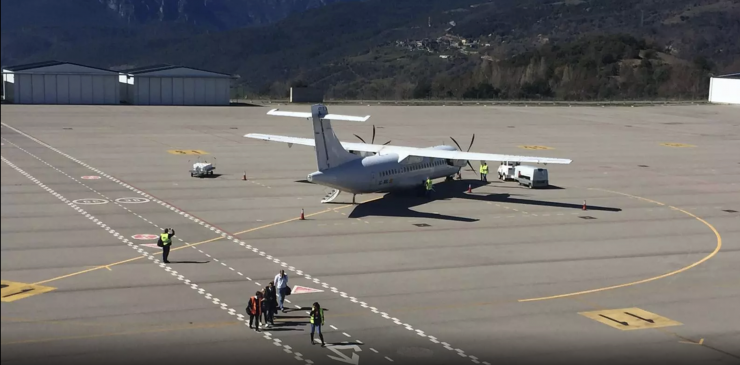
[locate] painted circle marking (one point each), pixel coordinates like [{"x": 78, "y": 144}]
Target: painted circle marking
[
  {"x": 132, "y": 200},
  {"x": 152, "y": 245},
  {"x": 143, "y": 236},
  {"x": 677, "y": 145},
  {"x": 533, "y": 147},
  {"x": 91, "y": 177},
  {"x": 90, "y": 201}
]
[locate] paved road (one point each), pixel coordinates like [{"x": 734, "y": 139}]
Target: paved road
[{"x": 502, "y": 274}]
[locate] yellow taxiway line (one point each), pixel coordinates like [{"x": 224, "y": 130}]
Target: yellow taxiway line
[
  {"x": 108, "y": 266},
  {"x": 716, "y": 249}
]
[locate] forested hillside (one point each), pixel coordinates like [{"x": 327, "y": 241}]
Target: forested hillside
[{"x": 383, "y": 49}]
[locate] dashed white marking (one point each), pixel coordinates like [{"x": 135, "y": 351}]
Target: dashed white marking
[
  {"x": 82, "y": 211},
  {"x": 174, "y": 209}
]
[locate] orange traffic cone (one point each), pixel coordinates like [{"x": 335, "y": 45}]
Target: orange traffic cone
[
  {"x": 302, "y": 216},
  {"x": 584, "y": 205},
  {"x": 470, "y": 188}
]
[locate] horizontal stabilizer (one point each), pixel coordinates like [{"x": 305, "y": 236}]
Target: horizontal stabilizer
[
  {"x": 289, "y": 114},
  {"x": 349, "y": 118}
]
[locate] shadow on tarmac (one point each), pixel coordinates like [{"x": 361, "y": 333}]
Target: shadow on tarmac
[
  {"x": 215, "y": 175},
  {"x": 189, "y": 262},
  {"x": 399, "y": 204}
]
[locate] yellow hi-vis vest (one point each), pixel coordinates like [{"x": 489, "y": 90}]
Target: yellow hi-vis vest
[
  {"x": 321, "y": 315},
  {"x": 484, "y": 169},
  {"x": 165, "y": 239},
  {"x": 429, "y": 184}
]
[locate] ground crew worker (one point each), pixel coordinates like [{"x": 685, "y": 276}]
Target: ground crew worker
[
  {"x": 317, "y": 320},
  {"x": 483, "y": 172},
  {"x": 165, "y": 241},
  {"x": 429, "y": 186},
  {"x": 254, "y": 310}
]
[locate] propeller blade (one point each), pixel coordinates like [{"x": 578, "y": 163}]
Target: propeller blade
[
  {"x": 373, "y": 141},
  {"x": 363, "y": 141},
  {"x": 458, "y": 145},
  {"x": 471, "y": 142},
  {"x": 471, "y": 166},
  {"x": 386, "y": 143}
]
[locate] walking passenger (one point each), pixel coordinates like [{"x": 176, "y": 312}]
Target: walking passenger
[
  {"x": 281, "y": 282},
  {"x": 254, "y": 310},
  {"x": 270, "y": 303}
]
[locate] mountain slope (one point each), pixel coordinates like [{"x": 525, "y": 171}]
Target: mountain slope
[
  {"x": 34, "y": 30},
  {"x": 384, "y": 49},
  {"x": 575, "y": 49}
]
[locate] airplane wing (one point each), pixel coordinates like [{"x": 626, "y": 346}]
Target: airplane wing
[{"x": 404, "y": 151}]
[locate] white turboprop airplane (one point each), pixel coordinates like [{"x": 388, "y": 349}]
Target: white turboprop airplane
[{"x": 361, "y": 168}]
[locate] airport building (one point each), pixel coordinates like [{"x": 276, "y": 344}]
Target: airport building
[
  {"x": 174, "y": 85},
  {"x": 56, "y": 82},
  {"x": 725, "y": 89}
]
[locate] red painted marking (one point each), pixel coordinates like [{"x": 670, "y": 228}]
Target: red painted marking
[
  {"x": 304, "y": 290},
  {"x": 145, "y": 236},
  {"x": 92, "y": 177}
]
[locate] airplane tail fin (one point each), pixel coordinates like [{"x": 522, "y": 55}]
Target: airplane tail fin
[{"x": 329, "y": 150}]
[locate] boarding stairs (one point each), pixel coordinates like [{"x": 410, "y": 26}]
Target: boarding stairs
[{"x": 333, "y": 194}]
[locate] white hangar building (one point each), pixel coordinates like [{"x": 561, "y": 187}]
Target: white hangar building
[
  {"x": 725, "y": 89},
  {"x": 174, "y": 85},
  {"x": 57, "y": 82}
]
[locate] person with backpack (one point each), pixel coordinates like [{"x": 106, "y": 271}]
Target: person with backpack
[
  {"x": 317, "y": 320},
  {"x": 281, "y": 283},
  {"x": 254, "y": 310}
]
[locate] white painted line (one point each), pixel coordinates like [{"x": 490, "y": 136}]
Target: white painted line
[
  {"x": 224, "y": 306},
  {"x": 262, "y": 253}
]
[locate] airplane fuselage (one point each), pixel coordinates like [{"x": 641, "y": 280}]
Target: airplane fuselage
[{"x": 384, "y": 173}]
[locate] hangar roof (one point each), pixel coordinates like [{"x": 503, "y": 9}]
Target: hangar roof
[
  {"x": 730, "y": 76},
  {"x": 36, "y": 65},
  {"x": 158, "y": 68}
]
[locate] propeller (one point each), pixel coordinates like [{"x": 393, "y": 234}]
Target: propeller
[
  {"x": 373, "y": 140},
  {"x": 460, "y": 148}
]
